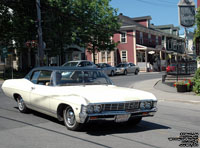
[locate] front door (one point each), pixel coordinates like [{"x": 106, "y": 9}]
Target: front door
[{"x": 40, "y": 92}]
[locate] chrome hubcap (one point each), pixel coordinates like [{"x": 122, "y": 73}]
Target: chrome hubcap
[
  {"x": 70, "y": 117},
  {"x": 21, "y": 104}
]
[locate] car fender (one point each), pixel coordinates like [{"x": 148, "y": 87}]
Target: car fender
[
  {"x": 20, "y": 87},
  {"x": 72, "y": 100}
]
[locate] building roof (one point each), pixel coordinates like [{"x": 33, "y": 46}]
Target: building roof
[
  {"x": 126, "y": 21},
  {"x": 142, "y": 18}
]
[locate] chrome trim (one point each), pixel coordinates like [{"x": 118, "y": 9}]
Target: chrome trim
[
  {"x": 106, "y": 113},
  {"x": 86, "y": 117}
]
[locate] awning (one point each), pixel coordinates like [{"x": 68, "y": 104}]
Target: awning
[{"x": 145, "y": 48}]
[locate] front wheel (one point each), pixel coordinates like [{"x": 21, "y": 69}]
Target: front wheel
[
  {"x": 136, "y": 72},
  {"x": 70, "y": 119},
  {"x": 21, "y": 105},
  {"x": 112, "y": 73}
]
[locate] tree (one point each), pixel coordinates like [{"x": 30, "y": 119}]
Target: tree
[
  {"x": 101, "y": 22},
  {"x": 197, "y": 21},
  {"x": 87, "y": 23}
]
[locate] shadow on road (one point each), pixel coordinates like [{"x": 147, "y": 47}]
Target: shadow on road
[
  {"x": 105, "y": 128},
  {"x": 117, "y": 128},
  {"x": 98, "y": 129}
]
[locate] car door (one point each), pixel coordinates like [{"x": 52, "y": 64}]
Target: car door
[
  {"x": 128, "y": 67},
  {"x": 105, "y": 69},
  {"x": 108, "y": 69},
  {"x": 41, "y": 90},
  {"x": 133, "y": 67}
]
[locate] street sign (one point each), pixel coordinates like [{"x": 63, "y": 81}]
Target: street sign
[{"x": 186, "y": 13}]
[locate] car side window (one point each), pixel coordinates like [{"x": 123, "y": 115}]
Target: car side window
[
  {"x": 44, "y": 78},
  {"x": 34, "y": 77},
  {"x": 82, "y": 64},
  {"x": 88, "y": 64}
]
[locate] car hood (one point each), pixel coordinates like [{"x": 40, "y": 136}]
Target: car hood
[{"x": 100, "y": 93}]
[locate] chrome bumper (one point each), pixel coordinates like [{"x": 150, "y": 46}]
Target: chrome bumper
[{"x": 111, "y": 115}]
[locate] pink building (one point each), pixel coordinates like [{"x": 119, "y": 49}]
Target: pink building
[{"x": 139, "y": 44}]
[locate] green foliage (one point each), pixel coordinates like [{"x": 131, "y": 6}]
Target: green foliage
[
  {"x": 64, "y": 22},
  {"x": 196, "y": 80},
  {"x": 197, "y": 30}
]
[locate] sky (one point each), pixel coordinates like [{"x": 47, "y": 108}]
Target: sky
[{"x": 162, "y": 12}]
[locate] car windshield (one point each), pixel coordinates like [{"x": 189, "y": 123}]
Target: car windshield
[
  {"x": 78, "y": 77},
  {"x": 71, "y": 64}
]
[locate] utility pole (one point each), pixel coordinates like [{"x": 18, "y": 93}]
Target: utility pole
[{"x": 40, "y": 40}]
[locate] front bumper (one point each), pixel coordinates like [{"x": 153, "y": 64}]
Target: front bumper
[{"x": 112, "y": 115}]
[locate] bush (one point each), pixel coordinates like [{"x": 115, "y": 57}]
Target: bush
[{"x": 196, "y": 80}]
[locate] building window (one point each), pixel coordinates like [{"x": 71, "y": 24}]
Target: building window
[
  {"x": 96, "y": 58},
  {"x": 157, "y": 41},
  {"x": 149, "y": 38},
  {"x": 123, "y": 37},
  {"x": 174, "y": 45},
  {"x": 170, "y": 44},
  {"x": 108, "y": 57},
  {"x": 141, "y": 37},
  {"x": 103, "y": 56},
  {"x": 124, "y": 56}
]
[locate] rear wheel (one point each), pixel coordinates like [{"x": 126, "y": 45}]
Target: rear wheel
[
  {"x": 70, "y": 119},
  {"x": 21, "y": 105},
  {"x": 125, "y": 72}
]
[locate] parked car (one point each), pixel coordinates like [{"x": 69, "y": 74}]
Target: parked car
[
  {"x": 124, "y": 68},
  {"x": 108, "y": 69},
  {"x": 79, "y": 95},
  {"x": 80, "y": 63},
  {"x": 171, "y": 68}
]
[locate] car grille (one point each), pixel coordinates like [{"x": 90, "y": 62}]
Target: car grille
[{"x": 121, "y": 106}]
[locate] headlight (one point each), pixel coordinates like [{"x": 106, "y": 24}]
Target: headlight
[
  {"x": 94, "y": 109},
  {"x": 145, "y": 105},
  {"x": 142, "y": 105},
  {"x": 97, "y": 108},
  {"x": 90, "y": 109},
  {"x": 148, "y": 105}
]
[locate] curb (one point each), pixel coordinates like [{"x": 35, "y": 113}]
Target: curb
[{"x": 149, "y": 86}]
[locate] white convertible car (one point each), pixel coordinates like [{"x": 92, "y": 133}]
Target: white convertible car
[{"x": 77, "y": 96}]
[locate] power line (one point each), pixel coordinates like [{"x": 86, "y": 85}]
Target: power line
[{"x": 158, "y": 3}]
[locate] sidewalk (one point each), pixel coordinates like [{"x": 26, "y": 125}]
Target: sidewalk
[{"x": 165, "y": 92}]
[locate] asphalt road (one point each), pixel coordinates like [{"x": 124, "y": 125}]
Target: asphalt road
[{"x": 35, "y": 130}]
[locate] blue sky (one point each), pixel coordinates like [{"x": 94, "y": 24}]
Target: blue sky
[{"x": 163, "y": 12}]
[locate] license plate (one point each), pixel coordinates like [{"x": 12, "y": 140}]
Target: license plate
[{"x": 122, "y": 118}]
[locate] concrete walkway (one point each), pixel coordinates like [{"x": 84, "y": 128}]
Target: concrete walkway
[{"x": 164, "y": 92}]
